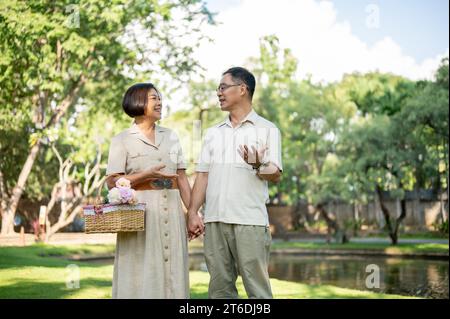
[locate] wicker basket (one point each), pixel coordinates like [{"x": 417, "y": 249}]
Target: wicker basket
[{"x": 113, "y": 218}]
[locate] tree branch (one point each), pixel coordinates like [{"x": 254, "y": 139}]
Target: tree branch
[
  {"x": 3, "y": 196},
  {"x": 71, "y": 97}
]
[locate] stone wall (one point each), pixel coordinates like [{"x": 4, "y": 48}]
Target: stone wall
[{"x": 420, "y": 215}]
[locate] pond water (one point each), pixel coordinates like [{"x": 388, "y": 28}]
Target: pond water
[{"x": 402, "y": 276}]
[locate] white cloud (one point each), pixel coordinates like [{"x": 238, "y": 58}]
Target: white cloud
[{"x": 325, "y": 47}]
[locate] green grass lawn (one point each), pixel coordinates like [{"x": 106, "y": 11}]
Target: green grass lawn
[{"x": 39, "y": 271}]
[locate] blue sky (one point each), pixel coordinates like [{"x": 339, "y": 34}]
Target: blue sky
[
  {"x": 420, "y": 27},
  {"x": 328, "y": 38}
]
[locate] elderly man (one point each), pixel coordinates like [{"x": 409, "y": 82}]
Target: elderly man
[{"x": 239, "y": 157}]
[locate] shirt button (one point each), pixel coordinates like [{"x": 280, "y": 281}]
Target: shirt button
[
  {"x": 165, "y": 208},
  {"x": 166, "y": 247},
  {"x": 166, "y": 222},
  {"x": 165, "y": 196},
  {"x": 166, "y": 260},
  {"x": 160, "y": 159},
  {"x": 166, "y": 234}
]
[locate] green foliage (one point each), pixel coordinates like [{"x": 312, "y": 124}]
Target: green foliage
[
  {"x": 401, "y": 151},
  {"x": 74, "y": 60},
  {"x": 339, "y": 140},
  {"x": 352, "y": 226},
  {"x": 310, "y": 118},
  {"x": 441, "y": 227},
  {"x": 376, "y": 93},
  {"x": 342, "y": 139},
  {"x": 189, "y": 124}
]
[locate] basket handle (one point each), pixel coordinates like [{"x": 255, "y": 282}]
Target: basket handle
[
  {"x": 99, "y": 190},
  {"x": 98, "y": 199}
]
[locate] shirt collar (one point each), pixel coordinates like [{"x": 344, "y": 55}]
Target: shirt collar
[{"x": 251, "y": 117}]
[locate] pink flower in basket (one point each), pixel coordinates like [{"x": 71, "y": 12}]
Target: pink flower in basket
[
  {"x": 126, "y": 195},
  {"x": 123, "y": 183},
  {"x": 114, "y": 195},
  {"x": 122, "y": 193}
]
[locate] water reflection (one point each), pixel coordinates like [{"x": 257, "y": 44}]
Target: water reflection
[{"x": 411, "y": 277}]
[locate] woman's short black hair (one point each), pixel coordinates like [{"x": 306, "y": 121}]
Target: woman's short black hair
[
  {"x": 244, "y": 76},
  {"x": 136, "y": 98}
]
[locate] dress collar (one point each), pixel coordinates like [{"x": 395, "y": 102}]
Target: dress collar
[{"x": 159, "y": 134}]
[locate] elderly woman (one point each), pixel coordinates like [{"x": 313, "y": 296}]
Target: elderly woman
[{"x": 152, "y": 263}]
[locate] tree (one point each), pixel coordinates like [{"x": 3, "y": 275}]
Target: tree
[
  {"x": 392, "y": 145},
  {"x": 57, "y": 55},
  {"x": 71, "y": 206},
  {"x": 425, "y": 118},
  {"x": 79, "y": 149},
  {"x": 310, "y": 121}
]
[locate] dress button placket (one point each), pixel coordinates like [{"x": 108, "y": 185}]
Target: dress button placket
[{"x": 165, "y": 226}]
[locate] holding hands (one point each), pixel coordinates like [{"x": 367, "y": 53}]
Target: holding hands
[{"x": 196, "y": 227}]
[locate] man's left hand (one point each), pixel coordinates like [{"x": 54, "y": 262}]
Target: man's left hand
[{"x": 252, "y": 156}]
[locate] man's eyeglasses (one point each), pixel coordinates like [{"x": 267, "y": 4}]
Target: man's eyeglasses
[{"x": 223, "y": 87}]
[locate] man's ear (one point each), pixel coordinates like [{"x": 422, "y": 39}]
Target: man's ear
[{"x": 243, "y": 89}]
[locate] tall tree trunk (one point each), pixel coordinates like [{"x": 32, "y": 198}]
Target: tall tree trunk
[
  {"x": 392, "y": 228},
  {"x": 8, "y": 215},
  {"x": 70, "y": 208},
  {"x": 444, "y": 214},
  {"x": 400, "y": 218},
  {"x": 4, "y": 198},
  {"x": 356, "y": 218},
  {"x": 387, "y": 216},
  {"x": 340, "y": 235},
  {"x": 63, "y": 222},
  {"x": 442, "y": 204},
  {"x": 300, "y": 219}
]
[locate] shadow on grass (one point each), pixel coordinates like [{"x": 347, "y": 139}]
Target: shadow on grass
[
  {"x": 29, "y": 289},
  {"x": 200, "y": 291},
  {"x": 45, "y": 256}
]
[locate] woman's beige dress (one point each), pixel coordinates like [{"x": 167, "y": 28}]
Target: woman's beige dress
[{"x": 153, "y": 263}]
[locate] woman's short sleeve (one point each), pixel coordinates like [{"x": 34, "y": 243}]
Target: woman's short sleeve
[
  {"x": 117, "y": 157},
  {"x": 181, "y": 163}
]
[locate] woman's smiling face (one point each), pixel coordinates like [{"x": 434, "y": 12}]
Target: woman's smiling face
[{"x": 154, "y": 105}]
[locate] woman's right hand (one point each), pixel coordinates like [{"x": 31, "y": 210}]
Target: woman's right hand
[
  {"x": 155, "y": 172},
  {"x": 195, "y": 225}
]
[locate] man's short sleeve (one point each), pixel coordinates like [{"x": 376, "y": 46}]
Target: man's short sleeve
[
  {"x": 204, "y": 160},
  {"x": 274, "y": 147}
]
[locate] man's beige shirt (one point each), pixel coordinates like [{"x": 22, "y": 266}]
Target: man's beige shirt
[{"x": 235, "y": 194}]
